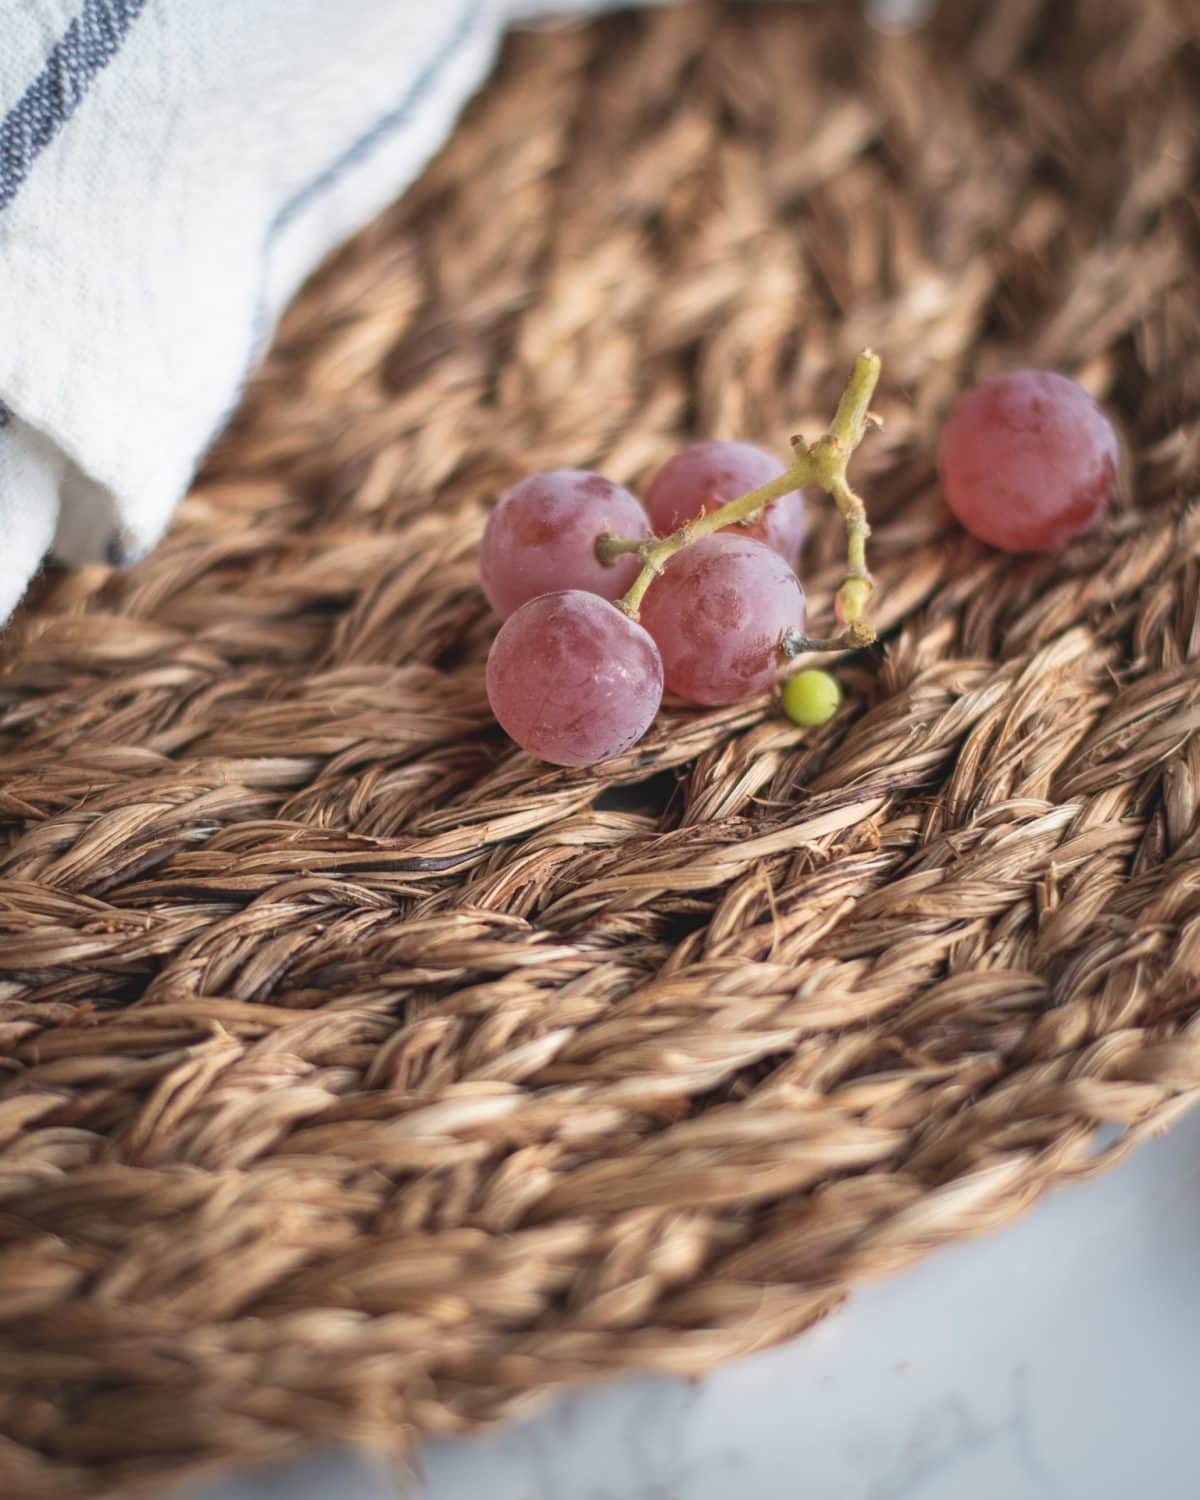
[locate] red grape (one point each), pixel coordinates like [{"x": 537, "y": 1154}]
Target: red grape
[
  {"x": 572, "y": 679},
  {"x": 707, "y": 475},
  {"x": 542, "y": 536},
  {"x": 717, "y": 612},
  {"x": 1028, "y": 461}
]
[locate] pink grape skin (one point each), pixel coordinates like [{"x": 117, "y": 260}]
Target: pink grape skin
[
  {"x": 1028, "y": 461},
  {"x": 541, "y": 537},
  {"x": 573, "y": 680},
  {"x": 710, "y": 474},
  {"x": 717, "y": 611}
]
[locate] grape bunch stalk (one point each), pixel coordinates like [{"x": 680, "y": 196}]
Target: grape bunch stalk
[{"x": 605, "y": 601}]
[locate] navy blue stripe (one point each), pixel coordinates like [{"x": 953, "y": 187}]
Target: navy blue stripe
[
  {"x": 398, "y": 116},
  {"x": 418, "y": 91},
  {"x": 87, "y": 46}
]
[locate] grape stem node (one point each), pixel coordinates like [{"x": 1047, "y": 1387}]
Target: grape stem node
[{"x": 822, "y": 463}]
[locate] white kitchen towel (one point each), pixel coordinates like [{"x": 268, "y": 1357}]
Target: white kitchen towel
[{"x": 170, "y": 170}]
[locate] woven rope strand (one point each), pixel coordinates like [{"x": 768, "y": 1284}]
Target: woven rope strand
[{"x": 363, "y": 1078}]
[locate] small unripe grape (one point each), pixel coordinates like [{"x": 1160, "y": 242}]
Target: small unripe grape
[
  {"x": 709, "y": 475},
  {"x": 1028, "y": 461},
  {"x": 717, "y": 612},
  {"x": 542, "y": 535},
  {"x": 811, "y": 697},
  {"x": 572, "y": 679}
]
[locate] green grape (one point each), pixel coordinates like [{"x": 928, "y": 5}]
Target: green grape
[{"x": 811, "y": 697}]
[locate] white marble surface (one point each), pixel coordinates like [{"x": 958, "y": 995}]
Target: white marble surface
[{"x": 1058, "y": 1359}]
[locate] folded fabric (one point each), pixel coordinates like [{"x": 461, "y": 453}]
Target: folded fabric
[{"x": 169, "y": 173}]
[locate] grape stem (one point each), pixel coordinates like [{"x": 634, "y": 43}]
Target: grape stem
[{"x": 822, "y": 463}]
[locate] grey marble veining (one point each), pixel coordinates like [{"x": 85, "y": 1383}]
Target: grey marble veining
[{"x": 1057, "y": 1359}]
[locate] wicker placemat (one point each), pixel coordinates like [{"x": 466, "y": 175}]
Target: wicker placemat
[{"x": 364, "y": 1078}]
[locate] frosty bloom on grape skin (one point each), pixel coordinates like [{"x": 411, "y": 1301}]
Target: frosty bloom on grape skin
[
  {"x": 573, "y": 680},
  {"x": 1028, "y": 461},
  {"x": 708, "y": 475},
  {"x": 542, "y": 537},
  {"x": 717, "y": 613}
]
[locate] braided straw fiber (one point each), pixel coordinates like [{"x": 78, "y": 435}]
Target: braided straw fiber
[{"x": 364, "y": 1078}]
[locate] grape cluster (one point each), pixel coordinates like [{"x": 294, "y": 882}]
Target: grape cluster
[
  {"x": 572, "y": 678},
  {"x": 606, "y": 601}
]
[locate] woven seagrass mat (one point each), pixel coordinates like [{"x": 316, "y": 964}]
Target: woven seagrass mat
[{"x": 363, "y": 1078}]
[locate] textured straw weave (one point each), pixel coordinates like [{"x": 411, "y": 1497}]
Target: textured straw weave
[{"x": 363, "y": 1078}]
